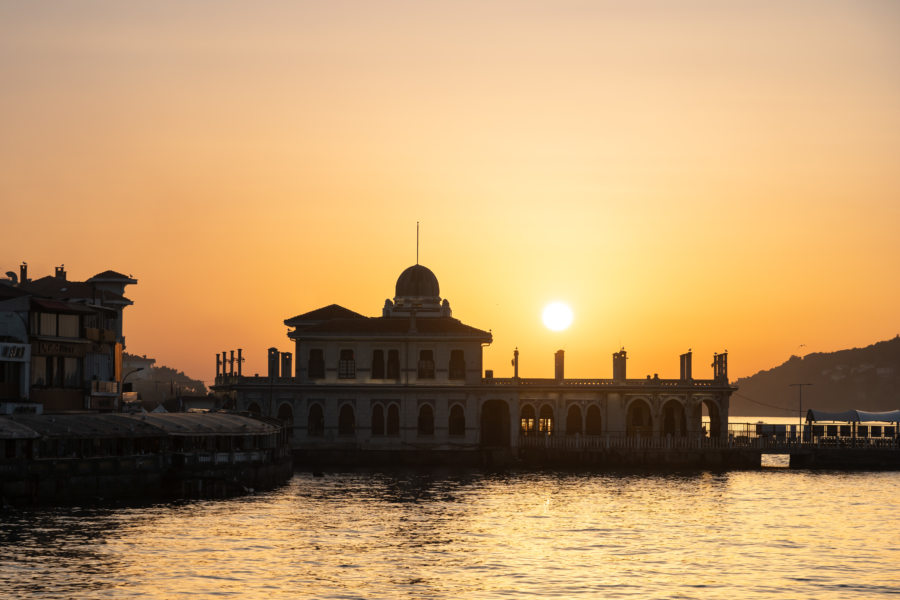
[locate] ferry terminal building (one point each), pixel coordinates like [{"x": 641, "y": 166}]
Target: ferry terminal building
[{"x": 411, "y": 380}]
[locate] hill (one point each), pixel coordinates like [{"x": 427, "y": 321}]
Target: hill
[
  {"x": 155, "y": 384},
  {"x": 862, "y": 378}
]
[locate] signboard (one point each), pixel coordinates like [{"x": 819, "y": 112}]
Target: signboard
[
  {"x": 58, "y": 349},
  {"x": 14, "y": 352}
]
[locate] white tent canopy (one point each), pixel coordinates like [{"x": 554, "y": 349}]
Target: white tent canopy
[{"x": 855, "y": 416}]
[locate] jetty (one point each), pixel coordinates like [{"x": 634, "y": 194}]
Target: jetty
[{"x": 91, "y": 457}]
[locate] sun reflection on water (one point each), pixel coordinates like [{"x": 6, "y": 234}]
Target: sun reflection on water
[{"x": 771, "y": 533}]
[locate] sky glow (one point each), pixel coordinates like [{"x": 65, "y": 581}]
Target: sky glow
[{"x": 703, "y": 175}]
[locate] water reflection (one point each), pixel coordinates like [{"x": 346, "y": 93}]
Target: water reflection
[{"x": 411, "y": 534}]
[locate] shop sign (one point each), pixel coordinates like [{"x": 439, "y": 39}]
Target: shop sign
[{"x": 13, "y": 352}]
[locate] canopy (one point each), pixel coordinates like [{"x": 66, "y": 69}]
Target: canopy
[{"x": 859, "y": 416}]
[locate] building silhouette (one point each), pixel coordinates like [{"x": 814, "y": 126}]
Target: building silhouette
[
  {"x": 61, "y": 341},
  {"x": 412, "y": 380}
]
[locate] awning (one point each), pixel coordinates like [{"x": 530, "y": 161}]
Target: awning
[{"x": 855, "y": 416}]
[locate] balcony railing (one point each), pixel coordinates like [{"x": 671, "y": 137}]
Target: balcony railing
[
  {"x": 588, "y": 383},
  {"x": 620, "y": 440},
  {"x": 104, "y": 387}
]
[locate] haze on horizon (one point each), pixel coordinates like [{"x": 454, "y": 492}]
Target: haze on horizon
[{"x": 699, "y": 174}]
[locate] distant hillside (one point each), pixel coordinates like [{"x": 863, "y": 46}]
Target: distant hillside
[
  {"x": 156, "y": 384},
  {"x": 862, "y": 378}
]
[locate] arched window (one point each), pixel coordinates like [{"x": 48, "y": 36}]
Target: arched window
[
  {"x": 315, "y": 423},
  {"x": 377, "y": 420},
  {"x": 346, "y": 421},
  {"x": 457, "y": 364},
  {"x": 347, "y": 365},
  {"x": 378, "y": 364},
  {"x": 426, "y": 364},
  {"x": 286, "y": 416},
  {"x": 674, "y": 420},
  {"x": 254, "y": 409},
  {"x": 638, "y": 421},
  {"x": 528, "y": 420},
  {"x": 592, "y": 421},
  {"x": 457, "y": 423},
  {"x": 573, "y": 420},
  {"x": 393, "y": 420},
  {"x": 710, "y": 410},
  {"x": 393, "y": 364},
  {"x": 426, "y": 420},
  {"x": 315, "y": 368},
  {"x": 545, "y": 423}
]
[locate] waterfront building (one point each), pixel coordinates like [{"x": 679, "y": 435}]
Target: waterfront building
[
  {"x": 84, "y": 457},
  {"x": 411, "y": 380},
  {"x": 62, "y": 342}
]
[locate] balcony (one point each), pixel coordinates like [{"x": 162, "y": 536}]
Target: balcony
[
  {"x": 103, "y": 336},
  {"x": 105, "y": 388}
]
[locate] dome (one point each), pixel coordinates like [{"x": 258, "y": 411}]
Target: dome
[{"x": 417, "y": 282}]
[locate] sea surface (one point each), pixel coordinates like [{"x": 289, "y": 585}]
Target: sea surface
[{"x": 771, "y": 533}]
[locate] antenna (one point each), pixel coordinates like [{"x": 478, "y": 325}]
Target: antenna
[{"x": 417, "y": 242}]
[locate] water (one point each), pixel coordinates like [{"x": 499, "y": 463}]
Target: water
[{"x": 763, "y": 534}]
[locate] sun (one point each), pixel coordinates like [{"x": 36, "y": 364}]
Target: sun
[{"x": 557, "y": 316}]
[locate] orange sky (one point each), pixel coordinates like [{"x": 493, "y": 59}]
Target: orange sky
[{"x": 706, "y": 175}]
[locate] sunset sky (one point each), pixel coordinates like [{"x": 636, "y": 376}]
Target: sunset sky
[{"x": 705, "y": 175}]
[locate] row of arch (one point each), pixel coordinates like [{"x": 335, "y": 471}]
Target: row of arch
[
  {"x": 384, "y": 366},
  {"x": 531, "y": 421},
  {"x": 385, "y": 419},
  {"x": 638, "y": 419}
]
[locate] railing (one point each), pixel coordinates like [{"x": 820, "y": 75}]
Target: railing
[
  {"x": 247, "y": 379},
  {"x": 674, "y": 383},
  {"x": 834, "y": 435},
  {"x": 224, "y": 458},
  {"x": 620, "y": 440},
  {"x": 104, "y": 387}
]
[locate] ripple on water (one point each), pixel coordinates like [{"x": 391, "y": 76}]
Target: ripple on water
[{"x": 762, "y": 534}]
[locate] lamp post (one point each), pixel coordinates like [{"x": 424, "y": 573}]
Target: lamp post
[
  {"x": 122, "y": 386},
  {"x": 799, "y": 387}
]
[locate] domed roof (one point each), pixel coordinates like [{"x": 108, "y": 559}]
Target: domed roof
[{"x": 417, "y": 282}]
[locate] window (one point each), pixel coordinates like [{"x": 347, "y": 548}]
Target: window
[
  {"x": 347, "y": 365},
  {"x": 393, "y": 420},
  {"x": 48, "y": 324},
  {"x": 527, "y": 420},
  {"x": 457, "y": 364},
  {"x": 286, "y": 415},
  {"x": 573, "y": 420},
  {"x": 393, "y": 364},
  {"x": 346, "y": 421},
  {"x": 377, "y": 420},
  {"x": 315, "y": 424},
  {"x": 545, "y": 423},
  {"x": 378, "y": 364},
  {"x": 315, "y": 369},
  {"x": 54, "y": 374},
  {"x": 426, "y": 364},
  {"x": 592, "y": 424},
  {"x": 71, "y": 372},
  {"x": 39, "y": 371},
  {"x": 426, "y": 420},
  {"x": 68, "y": 326},
  {"x": 457, "y": 423}
]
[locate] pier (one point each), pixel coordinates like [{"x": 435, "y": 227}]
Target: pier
[{"x": 816, "y": 446}]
